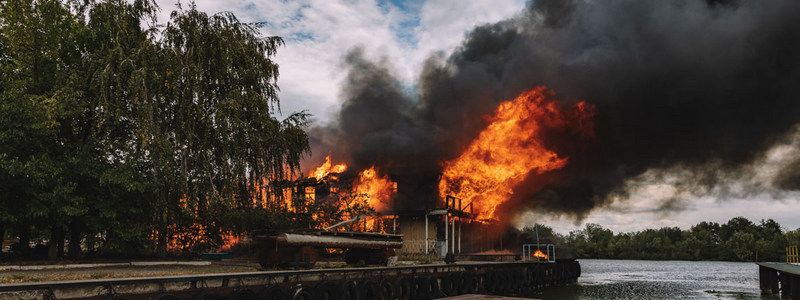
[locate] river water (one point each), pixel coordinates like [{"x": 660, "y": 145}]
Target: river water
[{"x": 639, "y": 279}]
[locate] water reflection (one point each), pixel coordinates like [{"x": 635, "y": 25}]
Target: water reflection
[{"x": 634, "y": 279}]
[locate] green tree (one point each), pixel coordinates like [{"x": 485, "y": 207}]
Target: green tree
[
  {"x": 793, "y": 237},
  {"x": 544, "y": 233},
  {"x": 41, "y": 82},
  {"x": 218, "y": 140},
  {"x": 113, "y": 132},
  {"x": 592, "y": 241},
  {"x": 738, "y": 239},
  {"x": 743, "y": 245},
  {"x": 703, "y": 244},
  {"x": 736, "y": 224},
  {"x": 771, "y": 242}
]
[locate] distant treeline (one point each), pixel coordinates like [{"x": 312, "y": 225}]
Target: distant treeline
[{"x": 737, "y": 240}]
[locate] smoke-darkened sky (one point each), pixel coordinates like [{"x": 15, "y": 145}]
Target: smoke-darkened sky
[{"x": 697, "y": 102}]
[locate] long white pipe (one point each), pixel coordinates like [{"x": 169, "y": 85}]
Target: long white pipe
[{"x": 299, "y": 239}]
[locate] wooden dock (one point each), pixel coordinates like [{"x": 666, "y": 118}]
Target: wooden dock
[
  {"x": 510, "y": 279},
  {"x": 783, "y": 278}
]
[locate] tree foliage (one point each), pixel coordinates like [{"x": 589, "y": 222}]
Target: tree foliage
[
  {"x": 737, "y": 240},
  {"x": 115, "y": 130}
]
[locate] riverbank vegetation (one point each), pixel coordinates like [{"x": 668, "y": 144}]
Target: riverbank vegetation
[
  {"x": 739, "y": 239},
  {"x": 123, "y": 136}
]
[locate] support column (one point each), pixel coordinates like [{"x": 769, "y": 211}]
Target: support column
[
  {"x": 785, "y": 285},
  {"x": 454, "y": 236},
  {"x": 445, "y": 234},
  {"x": 459, "y": 235},
  {"x": 426, "y": 233},
  {"x": 772, "y": 281},
  {"x": 762, "y": 280}
]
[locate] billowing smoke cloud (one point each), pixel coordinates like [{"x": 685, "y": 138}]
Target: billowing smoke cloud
[{"x": 706, "y": 86}]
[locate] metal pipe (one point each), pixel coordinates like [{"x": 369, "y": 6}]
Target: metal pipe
[
  {"x": 345, "y": 222},
  {"x": 300, "y": 239}
]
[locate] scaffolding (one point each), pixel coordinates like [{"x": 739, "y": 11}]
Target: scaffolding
[{"x": 792, "y": 255}]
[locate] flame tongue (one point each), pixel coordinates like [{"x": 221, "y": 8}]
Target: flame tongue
[
  {"x": 378, "y": 190},
  {"x": 371, "y": 187},
  {"x": 506, "y": 152},
  {"x": 326, "y": 168}
]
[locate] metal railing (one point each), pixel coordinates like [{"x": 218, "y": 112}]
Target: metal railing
[
  {"x": 418, "y": 246},
  {"x": 539, "y": 252},
  {"x": 792, "y": 255}
]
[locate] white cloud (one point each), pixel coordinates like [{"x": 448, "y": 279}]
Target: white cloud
[{"x": 319, "y": 33}]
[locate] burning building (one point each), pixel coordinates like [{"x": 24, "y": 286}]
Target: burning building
[
  {"x": 432, "y": 209},
  {"x": 702, "y": 88}
]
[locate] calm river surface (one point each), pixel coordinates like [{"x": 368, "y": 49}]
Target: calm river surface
[{"x": 640, "y": 279}]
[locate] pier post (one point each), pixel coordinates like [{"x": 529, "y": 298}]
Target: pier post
[
  {"x": 773, "y": 281},
  {"x": 786, "y": 286},
  {"x": 426, "y": 233}
]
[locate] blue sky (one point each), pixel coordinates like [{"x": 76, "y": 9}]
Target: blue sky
[{"x": 404, "y": 33}]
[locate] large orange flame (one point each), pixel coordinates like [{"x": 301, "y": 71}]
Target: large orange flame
[
  {"x": 371, "y": 187},
  {"x": 506, "y": 152},
  {"x": 376, "y": 189},
  {"x": 326, "y": 168}
]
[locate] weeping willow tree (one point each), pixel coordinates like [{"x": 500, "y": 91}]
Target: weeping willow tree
[
  {"x": 219, "y": 138},
  {"x": 158, "y": 127}
]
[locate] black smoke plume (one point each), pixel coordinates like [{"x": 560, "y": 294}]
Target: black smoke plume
[{"x": 674, "y": 83}]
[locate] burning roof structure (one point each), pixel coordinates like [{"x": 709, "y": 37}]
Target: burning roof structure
[{"x": 559, "y": 108}]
